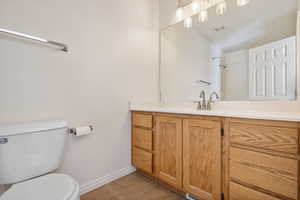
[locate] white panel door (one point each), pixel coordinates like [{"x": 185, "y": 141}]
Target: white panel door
[{"x": 272, "y": 71}]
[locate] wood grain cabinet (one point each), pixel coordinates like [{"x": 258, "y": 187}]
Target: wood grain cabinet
[
  {"x": 250, "y": 160},
  {"x": 183, "y": 153},
  {"x": 142, "y": 134},
  {"x": 168, "y": 149},
  {"x": 263, "y": 159},
  {"x": 142, "y": 159},
  {"x": 202, "y": 158}
]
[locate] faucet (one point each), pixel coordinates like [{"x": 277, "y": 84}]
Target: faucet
[
  {"x": 202, "y": 95},
  {"x": 211, "y": 100},
  {"x": 201, "y": 104}
]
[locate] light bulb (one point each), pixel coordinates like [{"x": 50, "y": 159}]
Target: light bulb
[
  {"x": 188, "y": 22},
  {"x": 242, "y": 2},
  {"x": 195, "y": 6},
  {"x": 203, "y": 16},
  {"x": 179, "y": 14},
  {"x": 221, "y": 8}
]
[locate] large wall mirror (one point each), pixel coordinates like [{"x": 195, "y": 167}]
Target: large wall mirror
[{"x": 249, "y": 53}]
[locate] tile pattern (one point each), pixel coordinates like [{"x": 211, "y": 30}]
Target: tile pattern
[{"x": 132, "y": 187}]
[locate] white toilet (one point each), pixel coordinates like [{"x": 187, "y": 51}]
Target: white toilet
[{"x": 28, "y": 153}]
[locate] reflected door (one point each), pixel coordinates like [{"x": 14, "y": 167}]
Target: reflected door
[{"x": 272, "y": 71}]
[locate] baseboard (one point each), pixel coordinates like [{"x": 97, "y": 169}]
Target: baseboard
[{"x": 94, "y": 184}]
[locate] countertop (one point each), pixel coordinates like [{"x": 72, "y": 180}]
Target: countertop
[{"x": 163, "y": 108}]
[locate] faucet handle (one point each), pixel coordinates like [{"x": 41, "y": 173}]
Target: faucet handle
[{"x": 211, "y": 99}]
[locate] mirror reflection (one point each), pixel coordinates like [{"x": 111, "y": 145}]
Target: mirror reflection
[{"x": 246, "y": 53}]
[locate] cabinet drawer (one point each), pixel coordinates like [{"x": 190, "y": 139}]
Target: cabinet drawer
[
  {"x": 265, "y": 137},
  {"x": 270, "y": 173},
  {"x": 142, "y": 120},
  {"x": 142, "y": 138},
  {"x": 142, "y": 160},
  {"x": 238, "y": 192}
]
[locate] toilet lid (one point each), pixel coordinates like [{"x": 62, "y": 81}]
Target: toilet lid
[{"x": 48, "y": 187}]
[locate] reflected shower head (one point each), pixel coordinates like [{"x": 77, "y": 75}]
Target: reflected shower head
[{"x": 219, "y": 58}]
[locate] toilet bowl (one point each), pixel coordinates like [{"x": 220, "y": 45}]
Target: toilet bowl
[
  {"x": 47, "y": 187},
  {"x": 29, "y": 153}
]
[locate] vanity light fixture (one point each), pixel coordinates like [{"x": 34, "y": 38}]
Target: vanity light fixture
[
  {"x": 179, "y": 14},
  {"x": 203, "y": 16},
  {"x": 188, "y": 22},
  {"x": 195, "y": 6},
  {"x": 242, "y": 2},
  {"x": 221, "y": 8},
  {"x": 198, "y": 6},
  {"x": 179, "y": 11}
]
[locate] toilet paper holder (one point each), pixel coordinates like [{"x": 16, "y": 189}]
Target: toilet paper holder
[{"x": 73, "y": 131}]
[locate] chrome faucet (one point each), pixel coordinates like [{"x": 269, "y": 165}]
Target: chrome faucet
[
  {"x": 202, "y": 95},
  {"x": 211, "y": 100},
  {"x": 203, "y": 104}
]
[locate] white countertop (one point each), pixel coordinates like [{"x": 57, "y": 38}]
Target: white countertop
[{"x": 163, "y": 108}]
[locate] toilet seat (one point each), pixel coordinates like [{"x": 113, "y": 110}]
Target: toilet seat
[{"x": 47, "y": 187}]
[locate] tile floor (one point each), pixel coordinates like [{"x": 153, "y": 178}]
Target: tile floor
[{"x": 132, "y": 187}]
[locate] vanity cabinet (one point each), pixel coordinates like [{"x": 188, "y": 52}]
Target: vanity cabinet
[
  {"x": 202, "y": 158},
  {"x": 215, "y": 158},
  {"x": 263, "y": 159},
  {"x": 186, "y": 152},
  {"x": 142, "y": 155},
  {"x": 168, "y": 149}
]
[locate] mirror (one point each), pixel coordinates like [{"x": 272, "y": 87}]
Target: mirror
[{"x": 249, "y": 53}]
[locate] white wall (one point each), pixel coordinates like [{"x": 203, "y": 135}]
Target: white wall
[
  {"x": 185, "y": 59},
  {"x": 113, "y": 59},
  {"x": 235, "y": 76}
]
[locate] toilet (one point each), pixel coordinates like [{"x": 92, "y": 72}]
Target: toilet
[{"x": 29, "y": 154}]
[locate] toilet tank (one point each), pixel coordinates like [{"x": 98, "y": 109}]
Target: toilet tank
[{"x": 30, "y": 150}]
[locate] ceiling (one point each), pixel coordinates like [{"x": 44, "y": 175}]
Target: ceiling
[{"x": 257, "y": 23}]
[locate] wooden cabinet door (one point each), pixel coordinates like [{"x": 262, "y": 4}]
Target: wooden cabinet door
[
  {"x": 202, "y": 158},
  {"x": 168, "y": 149}
]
